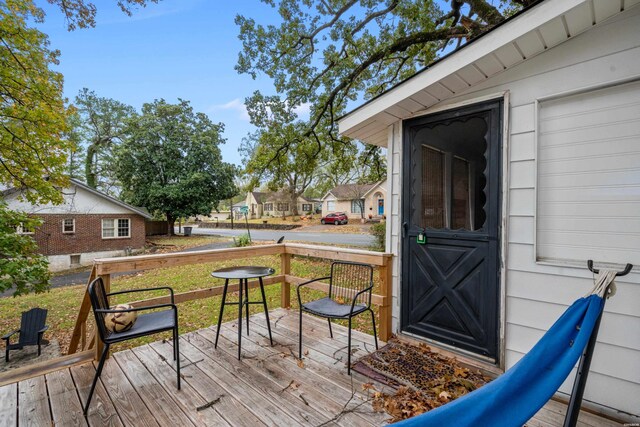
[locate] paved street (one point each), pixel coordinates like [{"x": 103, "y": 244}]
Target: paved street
[{"x": 364, "y": 240}]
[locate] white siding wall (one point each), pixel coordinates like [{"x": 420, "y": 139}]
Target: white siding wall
[{"x": 536, "y": 292}]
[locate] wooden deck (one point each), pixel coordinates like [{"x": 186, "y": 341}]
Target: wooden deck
[{"x": 268, "y": 387}]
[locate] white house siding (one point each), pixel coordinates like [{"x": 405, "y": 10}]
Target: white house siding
[{"x": 537, "y": 293}]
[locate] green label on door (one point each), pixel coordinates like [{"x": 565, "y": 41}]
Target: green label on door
[{"x": 421, "y": 239}]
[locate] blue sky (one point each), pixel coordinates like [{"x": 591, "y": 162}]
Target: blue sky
[{"x": 175, "y": 49}]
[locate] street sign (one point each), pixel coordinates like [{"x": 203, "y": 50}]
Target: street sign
[{"x": 244, "y": 209}]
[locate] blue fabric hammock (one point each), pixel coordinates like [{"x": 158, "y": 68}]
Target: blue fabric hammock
[{"x": 514, "y": 397}]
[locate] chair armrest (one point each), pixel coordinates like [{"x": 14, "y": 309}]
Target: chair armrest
[
  {"x": 150, "y": 307},
  {"x": 10, "y": 334},
  {"x": 131, "y": 291},
  {"x": 41, "y": 331},
  {"x": 355, "y": 297},
  {"x": 306, "y": 283}
]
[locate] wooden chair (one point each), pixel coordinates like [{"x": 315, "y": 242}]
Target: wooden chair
[
  {"x": 146, "y": 324},
  {"x": 32, "y": 326},
  {"x": 350, "y": 289}
]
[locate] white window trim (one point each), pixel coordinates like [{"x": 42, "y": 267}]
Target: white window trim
[
  {"x": 20, "y": 230},
  {"x": 74, "y": 226},
  {"x": 115, "y": 229}
]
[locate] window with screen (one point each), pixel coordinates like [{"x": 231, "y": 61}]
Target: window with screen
[
  {"x": 69, "y": 226},
  {"x": 116, "y": 228}
]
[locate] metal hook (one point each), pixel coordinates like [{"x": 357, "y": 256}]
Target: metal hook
[{"x": 627, "y": 269}]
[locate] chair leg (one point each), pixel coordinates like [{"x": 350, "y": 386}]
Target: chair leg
[
  {"x": 105, "y": 351},
  {"x": 240, "y": 320},
  {"x": 176, "y": 350},
  {"x": 246, "y": 309},
  {"x": 373, "y": 320},
  {"x": 349, "y": 349},
  {"x": 330, "y": 330},
  {"x": 266, "y": 310},
  {"x": 6, "y": 354},
  {"x": 300, "y": 336},
  {"x": 224, "y": 299}
]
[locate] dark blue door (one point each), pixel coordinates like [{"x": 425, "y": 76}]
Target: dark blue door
[{"x": 451, "y": 227}]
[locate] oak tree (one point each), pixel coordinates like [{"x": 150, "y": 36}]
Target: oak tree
[
  {"x": 101, "y": 127},
  {"x": 328, "y": 53},
  {"x": 171, "y": 162}
]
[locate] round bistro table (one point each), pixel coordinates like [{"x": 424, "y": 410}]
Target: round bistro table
[{"x": 242, "y": 274}]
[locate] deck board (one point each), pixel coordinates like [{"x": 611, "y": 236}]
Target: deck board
[
  {"x": 323, "y": 372},
  {"x": 268, "y": 412},
  {"x": 232, "y": 410},
  {"x": 63, "y": 398},
  {"x": 33, "y": 403},
  {"x": 187, "y": 398},
  {"x": 125, "y": 398},
  {"x": 163, "y": 407},
  {"x": 102, "y": 411},
  {"x": 314, "y": 391},
  {"x": 266, "y": 388},
  {"x": 9, "y": 405}
]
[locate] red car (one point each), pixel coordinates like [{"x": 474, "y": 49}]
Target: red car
[{"x": 335, "y": 218}]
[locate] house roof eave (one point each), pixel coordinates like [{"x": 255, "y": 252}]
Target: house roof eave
[
  {"x": 378, "y": 109},
  {"x": 111, "y": 199}
]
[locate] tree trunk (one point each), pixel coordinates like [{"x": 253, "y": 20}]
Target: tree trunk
[
  {"x": 171, "y": 224},
  {"x": 89, "y": 166}
]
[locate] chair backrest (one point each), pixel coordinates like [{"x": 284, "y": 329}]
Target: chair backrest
[
  {"x": 349, "y": 278},
  {"x": 30, "y": 323},
  {"x": 99, "y": 300}
]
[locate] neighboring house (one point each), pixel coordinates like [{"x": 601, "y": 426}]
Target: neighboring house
[
  {"x": 276, "y": 203},
  {"x": 254, "y": 202},
  {"x": 88, "y": 225},
  {"x": 357, "y": 200},
  {"x": 236, "y": 209},
  {"x": 517, "y": 155}
]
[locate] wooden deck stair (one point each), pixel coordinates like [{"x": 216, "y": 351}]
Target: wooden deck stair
[{"x": 268, "y": 387}]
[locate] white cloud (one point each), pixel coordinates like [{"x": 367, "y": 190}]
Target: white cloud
[
  {"x": 303, "y": 110},
  {"x": 236, "y": 104}
]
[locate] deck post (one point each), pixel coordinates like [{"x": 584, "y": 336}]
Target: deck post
[
  {"x": 83, "y": 313},
  {"x": 285, "y": 287},
  {"x": 385, "y": 292},
  {"x": 98, "y": 344}
]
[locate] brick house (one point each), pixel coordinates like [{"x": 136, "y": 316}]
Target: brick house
[{"x": 88, "y": 225}]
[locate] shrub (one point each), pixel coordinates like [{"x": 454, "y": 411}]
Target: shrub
[
  {"x": 379, "y": 231},
  {"x": 242, "y": 240}
]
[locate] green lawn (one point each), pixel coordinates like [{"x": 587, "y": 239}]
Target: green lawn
[{"x": 63, "y": 303}]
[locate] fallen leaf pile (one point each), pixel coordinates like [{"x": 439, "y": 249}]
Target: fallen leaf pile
[{"x": 425, "y": 380}]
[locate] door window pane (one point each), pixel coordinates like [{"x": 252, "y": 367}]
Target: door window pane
[
  {"x": 433, "y": 191},
  {"x": 460, "y": 209}
]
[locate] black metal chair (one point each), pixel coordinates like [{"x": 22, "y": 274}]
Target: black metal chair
[
  {"x": 146, "y": 324},
  {"x": 32, "y": 326},
  {"x": 350, "y": 289}
]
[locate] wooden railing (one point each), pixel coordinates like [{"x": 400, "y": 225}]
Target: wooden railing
[{"x": 83, "y": 341}]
